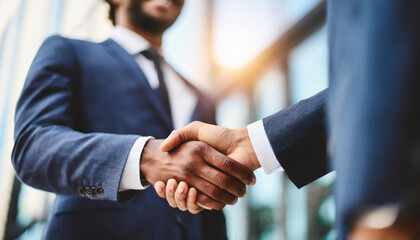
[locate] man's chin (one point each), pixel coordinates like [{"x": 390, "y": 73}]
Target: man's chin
[{"x": 154, "y": 26}]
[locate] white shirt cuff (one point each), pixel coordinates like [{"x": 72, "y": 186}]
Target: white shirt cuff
[
  {"x": 262, "y": 148},
  {"x": 130, "y": 179}
]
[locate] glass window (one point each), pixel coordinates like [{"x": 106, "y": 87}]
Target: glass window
[
  {"x": 244, "y": 28},
  {"x": 308, "y": 67},
  {"x": 270, "y": 94},
  {"x": 296, "y": 9}
]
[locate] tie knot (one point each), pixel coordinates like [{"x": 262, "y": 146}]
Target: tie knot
[{"x": 151, "y": 55}]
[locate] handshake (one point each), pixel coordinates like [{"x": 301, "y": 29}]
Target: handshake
[{"x": 200, "y": 166}]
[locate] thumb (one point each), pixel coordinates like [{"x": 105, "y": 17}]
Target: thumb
[{"x": 187, "y": 133}]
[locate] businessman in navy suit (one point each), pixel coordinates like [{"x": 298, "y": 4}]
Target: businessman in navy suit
[
  {"x": 86, "y": 124},
  {"x": 370, "y": 114}
]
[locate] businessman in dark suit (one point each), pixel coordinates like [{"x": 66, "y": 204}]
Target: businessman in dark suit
[
  {"x": 85, "y": 129},
  {"x": 373, "y": 123}
]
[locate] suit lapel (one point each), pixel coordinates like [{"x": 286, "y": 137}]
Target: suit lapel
[{"x": 128, "y": 62}]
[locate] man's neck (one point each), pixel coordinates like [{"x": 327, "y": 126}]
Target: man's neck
[{"x": 155, "y": 40}]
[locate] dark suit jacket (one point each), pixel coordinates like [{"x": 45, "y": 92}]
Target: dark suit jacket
[
  {"x": 374, "y": 104},
  {"x": 298, "y": 137},
  {"x": 82, "y": 107},
  {"x": 373, "y": 112}
]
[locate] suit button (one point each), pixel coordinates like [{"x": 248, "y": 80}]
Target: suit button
[
  {"x": 94, "y": 193},
  {"x": 88, "y": 191},
  {"x": 81, "y": 191},
  {"x": 100, "y": 191}
]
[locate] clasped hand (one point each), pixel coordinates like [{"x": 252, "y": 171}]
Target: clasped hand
[{"x": 232, "y": 157}]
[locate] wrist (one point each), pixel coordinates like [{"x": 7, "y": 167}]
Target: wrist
[
  {"x": 148, "y": 160},
  {"x": 245, "y": 142}
]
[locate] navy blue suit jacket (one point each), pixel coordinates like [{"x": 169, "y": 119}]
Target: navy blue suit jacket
[
  {"x": 373, "y": 107},
  {"x": 82, "y": 107},
  {"x": 298, "y": 137},
  {"x": 373, "y": 112}
]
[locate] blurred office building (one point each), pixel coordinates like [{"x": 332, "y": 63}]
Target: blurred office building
[{"x": 253, "y": 57}]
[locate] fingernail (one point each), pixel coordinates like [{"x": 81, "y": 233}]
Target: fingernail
[
  {"x": 243, "y": 192},
  {"x": 254, "y": 181},
  {"x": 202, "y": 206},
  {"x": 181, "y": 190}
]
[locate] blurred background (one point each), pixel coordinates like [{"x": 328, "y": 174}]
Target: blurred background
[{"x": 253, "y": 57}]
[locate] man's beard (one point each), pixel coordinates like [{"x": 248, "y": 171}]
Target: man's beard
[{"x": 145, "y": 22}]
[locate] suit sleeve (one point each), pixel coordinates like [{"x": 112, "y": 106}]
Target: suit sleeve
[
  {"x": 48, "y": 153},
  {"x": 297, "y": 136}
]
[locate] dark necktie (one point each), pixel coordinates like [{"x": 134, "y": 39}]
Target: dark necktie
[{"x": 162, "y": 90}]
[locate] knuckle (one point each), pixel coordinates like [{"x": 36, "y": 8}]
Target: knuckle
[
  {"x": 196, "y": 147},
  {"x": 195, "y": 124},
  {"x": 188, "y": 165},
  {"x": 186, "y": 169},
  {"x": 228, "y": 164},
  {"x": 201, "y": 147},
  {"x": 223, "y": 180},
  {"x": 225, "y": 133}
]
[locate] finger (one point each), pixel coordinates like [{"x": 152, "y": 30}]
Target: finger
[
  {"x": 189, "y": 132},
  {"x": 230, "y": 166},
  {"x": 170, "y": 192},
  {"x": 181, "y": 196},
  {"x": 222, "y": 180},
  {"x": 213, "y": 191},
  {"x": 160, "y": 189},
  {"x": 192, "y": 202},
  {"x": 209, "y": 203}
]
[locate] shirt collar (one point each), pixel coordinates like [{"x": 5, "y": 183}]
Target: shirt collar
[{"x": 130, "y": 41}]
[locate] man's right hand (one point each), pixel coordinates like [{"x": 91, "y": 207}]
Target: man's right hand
[
  {"x": 235, "y": 143},
  {"x": 219, "y": 177}
]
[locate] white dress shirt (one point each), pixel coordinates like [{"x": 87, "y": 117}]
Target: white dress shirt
[
  {"x": 262, "y": 148},
  {"x": 182, "y": 99}
]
